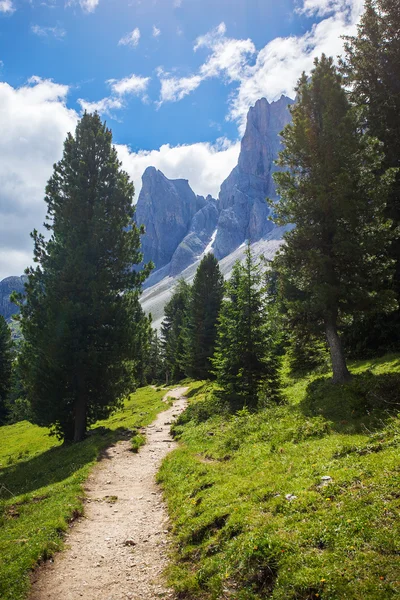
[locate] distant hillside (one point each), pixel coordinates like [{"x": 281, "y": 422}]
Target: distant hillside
[{"x": 7, "y": 287}]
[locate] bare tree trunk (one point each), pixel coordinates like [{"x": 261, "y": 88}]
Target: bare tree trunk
[
  {"x": 341, "y": 373},
  {"x": 80, "y": 420}
]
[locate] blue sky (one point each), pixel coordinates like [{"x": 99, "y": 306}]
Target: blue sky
[{"x": 173, "y": 78}]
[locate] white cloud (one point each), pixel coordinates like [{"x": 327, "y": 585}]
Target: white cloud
[
  {"x": 228, "y": 58},
  {"x": 280, "y": 63},
  {"x": 321, "y": 7},
  {"x": 88, "y": 5},
  {"x": 156, "y": 31},
  {"x": 103, "y": 106},
  {"x": 175, "y": 88},
  {"x": 130, "y": 39},
  {"x": 57, "y": 32},
  {"x": 6, "y": 6},
  {"x": 204, "y": 165},
  {"x": 274, "y": 69},
  {"x": 134, "y": 84},
  {"x": 34, "y": 121}
]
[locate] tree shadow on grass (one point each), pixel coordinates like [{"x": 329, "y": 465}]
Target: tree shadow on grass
[
  {"x": 57, "y": 464},
  {"x": 364, "y": 403}
]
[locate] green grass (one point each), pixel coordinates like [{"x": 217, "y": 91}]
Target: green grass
[
  {"x": 238, "y": 536},
  {"x": 41, "y": 485}
]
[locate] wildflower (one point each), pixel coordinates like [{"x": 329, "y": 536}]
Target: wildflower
[{"x": 323, "y": 580}]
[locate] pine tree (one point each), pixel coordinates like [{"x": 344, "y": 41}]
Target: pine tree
[
  {"x": 334, "y": 263},
  {"x": 155, "y": 372},
  {"x": 174, "y": 332},
  {"x": 245, "y": 360},
  {"x": 80, "y": 317},
  {"x": 372, "y": 72},
  {"x": 5, "y": 367},
  {"x": 205, "y": 303}
]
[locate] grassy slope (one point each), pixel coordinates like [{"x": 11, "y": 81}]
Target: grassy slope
[
  {"x": 41, "y": 486},
  {"x": 237, "y": 536}
]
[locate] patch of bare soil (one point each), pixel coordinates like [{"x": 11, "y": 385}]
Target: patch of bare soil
[{"x": 119, "y": 549}]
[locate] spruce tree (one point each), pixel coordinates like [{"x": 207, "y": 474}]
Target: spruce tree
[
  {"x": 334, "y": 263},
  {"x": 205, "y": 303},
  {"x": 80, "y": 318},
  {"x": 174, "y": 332},
  {"x": 245, "y": 360},
  {"x": 372, "y": 73},
  {"x": 5, "y": 367}
]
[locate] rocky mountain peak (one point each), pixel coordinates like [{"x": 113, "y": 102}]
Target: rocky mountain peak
[{"x": 244, "y": 211}]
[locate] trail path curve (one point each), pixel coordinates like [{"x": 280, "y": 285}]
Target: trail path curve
[{"x": 118, "y": 550}]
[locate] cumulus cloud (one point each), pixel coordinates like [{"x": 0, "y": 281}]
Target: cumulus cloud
[
  {"x": 280, "y": 63},
  {"x": 204, "y": 165},
  {"x": 133, "y": 85},
  {"x": 228, "y": 58},
  {"x": 56, "y": 32},
  {"x": 88, "y": 5},
  {"x": 6, "y": 6},
  {"x": 105, "y": 106},
  {"x": 156, "y": 31},
  {"x": 272, "y": 70},
  {"x": 34, "y": 121},
  {"x": 176, "y": 88},
  {"x": 130, "y": 39}
]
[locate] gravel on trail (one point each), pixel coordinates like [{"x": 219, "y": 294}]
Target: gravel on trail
[{"x": 119, "y": 549}]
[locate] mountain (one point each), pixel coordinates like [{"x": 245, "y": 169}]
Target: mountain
[
  {"x": 7, "y": 286},
  {"x": 181, "y": 227},
  {"x": 244, "y": 211}
]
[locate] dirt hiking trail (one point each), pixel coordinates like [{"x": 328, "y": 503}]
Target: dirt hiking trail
[{"x": 119, "y": 549}]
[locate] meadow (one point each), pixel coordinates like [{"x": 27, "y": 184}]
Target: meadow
[
  {"x": 42, "y": 485},
  {"x": 294, "y": 502}
]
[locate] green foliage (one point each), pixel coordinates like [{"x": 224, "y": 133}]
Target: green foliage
[
  {"x": 335, "y": 263},
  {"x": 245, "y": 360},
  {"x": 252, "y": 517},
  {"x": 372, "y": 70},
  {"x": 174, "y": 332},
  {"x": 205, "y": 302},
  {"x": 41, "y": 485},
  {"x": 81, "y": 319},
  {"x": 155, "y": 371},
  {"x": 6, "y": 358},
  {"x": 306, "y": 353}
]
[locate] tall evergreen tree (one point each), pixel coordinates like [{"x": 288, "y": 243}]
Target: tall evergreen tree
[
  {"x": 334, "y": 262},
  {"x": 245, "y": 360},
  {"x": 80, "y": 317},
  {"x": 372, "y": 72},
  {"x": 5, "y": 367},
  {"x": 205, "y": 303},
  {"x": 174, "y": 332}
]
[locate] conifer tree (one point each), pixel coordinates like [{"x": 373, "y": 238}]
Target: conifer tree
[
  {"x": 5, "y": 367},
  {"x": 80, "y": 320},
  {"x": 174, "y": 331},
  {"x": 334, "y": 263},
  {"x": 245, "y": 360},
  {"x": 372, "y": 73},
  {"x": 205, "y": 303}
]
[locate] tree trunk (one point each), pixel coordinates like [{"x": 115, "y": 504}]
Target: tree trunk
[
  {"x": 340, "y": 372},
  {"x": 80, "y": 420}
]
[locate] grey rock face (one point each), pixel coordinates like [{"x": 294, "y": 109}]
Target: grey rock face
[
  {"x": 166, "y": 208},
  {"x": 7, "y": 286},
  {"x": 244, "y": 212},
  {"x": 195, "y": 242}
]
